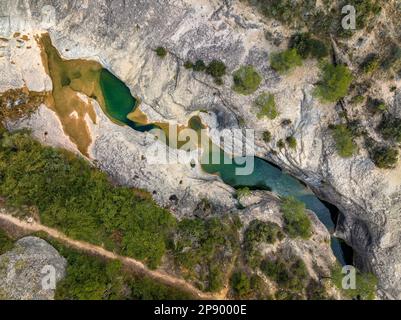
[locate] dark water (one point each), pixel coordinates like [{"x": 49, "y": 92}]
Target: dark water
[{"x": 119, "y": 103}]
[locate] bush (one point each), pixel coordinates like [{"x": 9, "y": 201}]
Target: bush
[
  {"x": 243, "y": 192},
  {"x": 266, "y": 106},
  {"x": 188, "y": 65},
  {"x": 6, "y": 243},
  {"x": 204, "y": 248},
  {"x": 290, "y": 274},
  {"x": 344, "y": 140},
  {"x": 296, "y": 220},
  {"x": 267, "y": 136},
  {"x": 246, "y": 80},
  {"x": 261, "y": 232},
  {"x": 370, "y": 64},
  {"x": 92, "y": 278},
  {"x": 335, "y": 83},
  {"x": 307, "y": 46},
  {"x": 390, "y": 128},
  {"x": 161, "y": 52},
  {"x": 241, "y": 284},
  {"x": 284, "y": 61},
  {"x": 216, "y": 69},
  {"x": 199, "y": 66},
  {"x": 385, "y": 157},
  {"x": 79, "y": 200},
  {"x": 292, "y": 142},
  {"x": 280, "y": 144}
]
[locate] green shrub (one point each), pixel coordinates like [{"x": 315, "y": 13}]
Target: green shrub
[
  {"x": 390, "y": 128},
  {"x": 188, "y": 65},
  {"x": 284, "y": 61},
  {"x": 296, "y": 220},
  {"x": 280, "y": 144},
  {"x": 246, "y": 80},
  {"x": 206, "y": 245},
  {"x": 261, "y": 232},
  {"x": 216, "y": 69},
  {"x": 243, "y": 192},
  {"x": 80, "y": 201},
  {"x": 290, "y": 274},
  {"x": 344, "y": 140},
  {"x": 266, "y": 106},
  {"x": 385, "y": 157},
  {"x": 292, "y": 142},
  {"x": 267, "y": 136},
  {"x": 93, "y": 278},
  {"x": 370, "y": 64},
  {"x": 199, "y": 66},
  {"x": 161, "y": 52},
  {"x": 6, "y": 243},
  {"x": 334, "y": 84},
  {"x": 365, "y": 284},
  {"x": 357, "y": 99},
  {"x": 307, "y": 47},
  {"x": 241, "y": 284}
]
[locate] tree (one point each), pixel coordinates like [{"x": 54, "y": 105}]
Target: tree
[
  {"x": 241, "y": 284},
  {"x": 385, "y": 157},
  {"x": 307, "y": 47},
  {"x": 296, "y": 220},
  {"x": 334, "y": 84},
  {"x": 216, "y": 69},
  {"x": 344, "y": 140},
  {"x": 390, "y": 128},
  {"x": 266, "y": 106},
  {"x": 161, "y": 52},
  {"x": 292, "y": 142},
  {"x": 246, "y": 80},
  {"x": 284, "y": 61}
]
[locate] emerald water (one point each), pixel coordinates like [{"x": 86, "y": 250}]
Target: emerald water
[{"x": 119, "y": 103}]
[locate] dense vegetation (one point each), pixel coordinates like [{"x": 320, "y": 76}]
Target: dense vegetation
[
  {"x": 335, "y": 82},
  {"x": 259, "y": 232},
  {"x": 344, "y": 140},
  {"x": 205, "y": 248},
  {"x": 89, "y": 277},
  {"x": 290, "y": 274},
  {"x": 385, "y": 157},
  {"x": 246, "y": 80},
  {"x": 297, "y": 222},
  {"x": 317, "y": 20},
  {"x": 390, "y": 128},
  {"x": 217, "y": 69},
  {"x": 284, "y": 61},
  {"x": 80, "y": 201},
  {"x": 307, "y": 46},
  {"x": 6, "y": 243},
  {"x": 266, "y": 106}
]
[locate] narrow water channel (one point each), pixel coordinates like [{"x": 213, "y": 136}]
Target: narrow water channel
[{"x": 115, "y": 98}]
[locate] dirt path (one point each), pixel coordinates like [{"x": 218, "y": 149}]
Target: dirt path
[{"x": 136, "y": 265}]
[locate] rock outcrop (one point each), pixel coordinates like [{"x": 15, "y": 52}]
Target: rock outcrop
[
  {"x": 31, "y": 270},
  {"x": 122, "y": 35}
]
